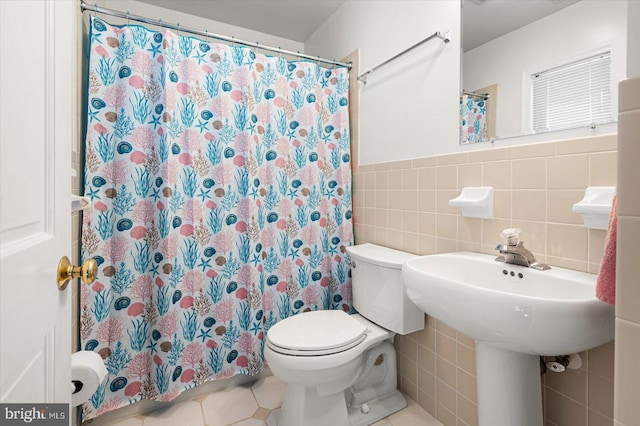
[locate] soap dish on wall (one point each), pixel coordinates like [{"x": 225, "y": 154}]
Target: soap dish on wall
[
  {"x": 79, "y": 203},
  {"x": 596, "y": 206},
  {"x": 475, "y": 201}
]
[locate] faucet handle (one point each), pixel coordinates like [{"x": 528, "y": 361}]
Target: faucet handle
[{"x": 511, "y": 235}]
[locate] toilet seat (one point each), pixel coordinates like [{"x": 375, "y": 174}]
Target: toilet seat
[{"x": 316, "y": 333}]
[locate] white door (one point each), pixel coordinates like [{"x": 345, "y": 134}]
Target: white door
[{"x": 37, "y": 57}]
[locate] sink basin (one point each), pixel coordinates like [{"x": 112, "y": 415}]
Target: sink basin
[
  {"x": 514, "y": 314},
  {"x": 553, "y": 312}
]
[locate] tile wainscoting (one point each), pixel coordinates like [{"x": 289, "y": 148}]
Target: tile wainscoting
[{"x": 405, "y": 205}]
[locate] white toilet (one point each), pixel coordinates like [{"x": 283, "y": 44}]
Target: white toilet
[{"x": 340, "y": 369}]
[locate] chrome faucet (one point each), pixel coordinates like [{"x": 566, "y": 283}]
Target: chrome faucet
[{"x": 514, "y": 252}]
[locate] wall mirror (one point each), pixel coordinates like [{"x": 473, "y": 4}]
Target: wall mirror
[{"x": 537, "y": 66}]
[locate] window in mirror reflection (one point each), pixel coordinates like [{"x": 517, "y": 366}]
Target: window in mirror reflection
[
  {"x": 572, "y": 95},
  {"x": 502, "y": 50}
]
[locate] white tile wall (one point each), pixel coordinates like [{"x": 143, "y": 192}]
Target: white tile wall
[
  {"x": 627, "y": 368},
  {"x": 627, "y": 375},
  {"x": 628, "y": 273},
  {"x": 628, "y": 156},
  {"x": 629, "y": 90}
]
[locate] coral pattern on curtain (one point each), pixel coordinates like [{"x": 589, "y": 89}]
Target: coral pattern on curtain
[
  {"x": 473, "y": 120},
  {"x": 221, "y": 203}
]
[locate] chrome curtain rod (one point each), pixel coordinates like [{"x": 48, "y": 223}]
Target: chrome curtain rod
[
  {"x": 437, "y": 34},
  {"x": 95, "y": 8},
  {"x": 484, "y": 96}
]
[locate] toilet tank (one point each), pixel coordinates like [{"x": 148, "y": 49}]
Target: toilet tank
[{"x": 378, "y": 294}]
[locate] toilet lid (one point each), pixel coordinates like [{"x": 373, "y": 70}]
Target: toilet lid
[{"x": 316, "y": 333}]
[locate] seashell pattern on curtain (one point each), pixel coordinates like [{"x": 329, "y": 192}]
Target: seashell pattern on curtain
[{"x": 220, "y": 183}]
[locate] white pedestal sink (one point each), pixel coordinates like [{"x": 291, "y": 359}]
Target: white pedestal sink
[{"x": 515, "y": 314}]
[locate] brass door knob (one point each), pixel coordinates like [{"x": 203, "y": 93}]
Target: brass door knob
[{"x": 67, "y": 272}]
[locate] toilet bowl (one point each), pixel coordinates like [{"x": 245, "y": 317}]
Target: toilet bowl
[{"x": 340, "y": 369}]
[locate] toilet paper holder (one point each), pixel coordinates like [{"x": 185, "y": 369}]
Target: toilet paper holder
[
  {"x": 76, "y": 386},
  {"x": 87, "y": 373}
]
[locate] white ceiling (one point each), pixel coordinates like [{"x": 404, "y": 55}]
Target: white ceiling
[
  {"x": 483, "y": 20},
  {"x": 292, "y": 19}
]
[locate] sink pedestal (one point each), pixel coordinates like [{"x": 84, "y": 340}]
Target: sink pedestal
[
  {"x": 499, "y": 305},
  {"x": 509, "y": 391}
]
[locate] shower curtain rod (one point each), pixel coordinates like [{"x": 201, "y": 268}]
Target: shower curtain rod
[
  {"x": 484, "y": 96},
  {"x": 437, "y": 34},
  {"x": 95, "y": 8}
]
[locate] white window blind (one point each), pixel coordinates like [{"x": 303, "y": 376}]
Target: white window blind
[{"x": 572, "y": 95}]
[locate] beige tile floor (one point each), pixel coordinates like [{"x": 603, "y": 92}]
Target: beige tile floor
[{"x": 256, "y": 404}]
